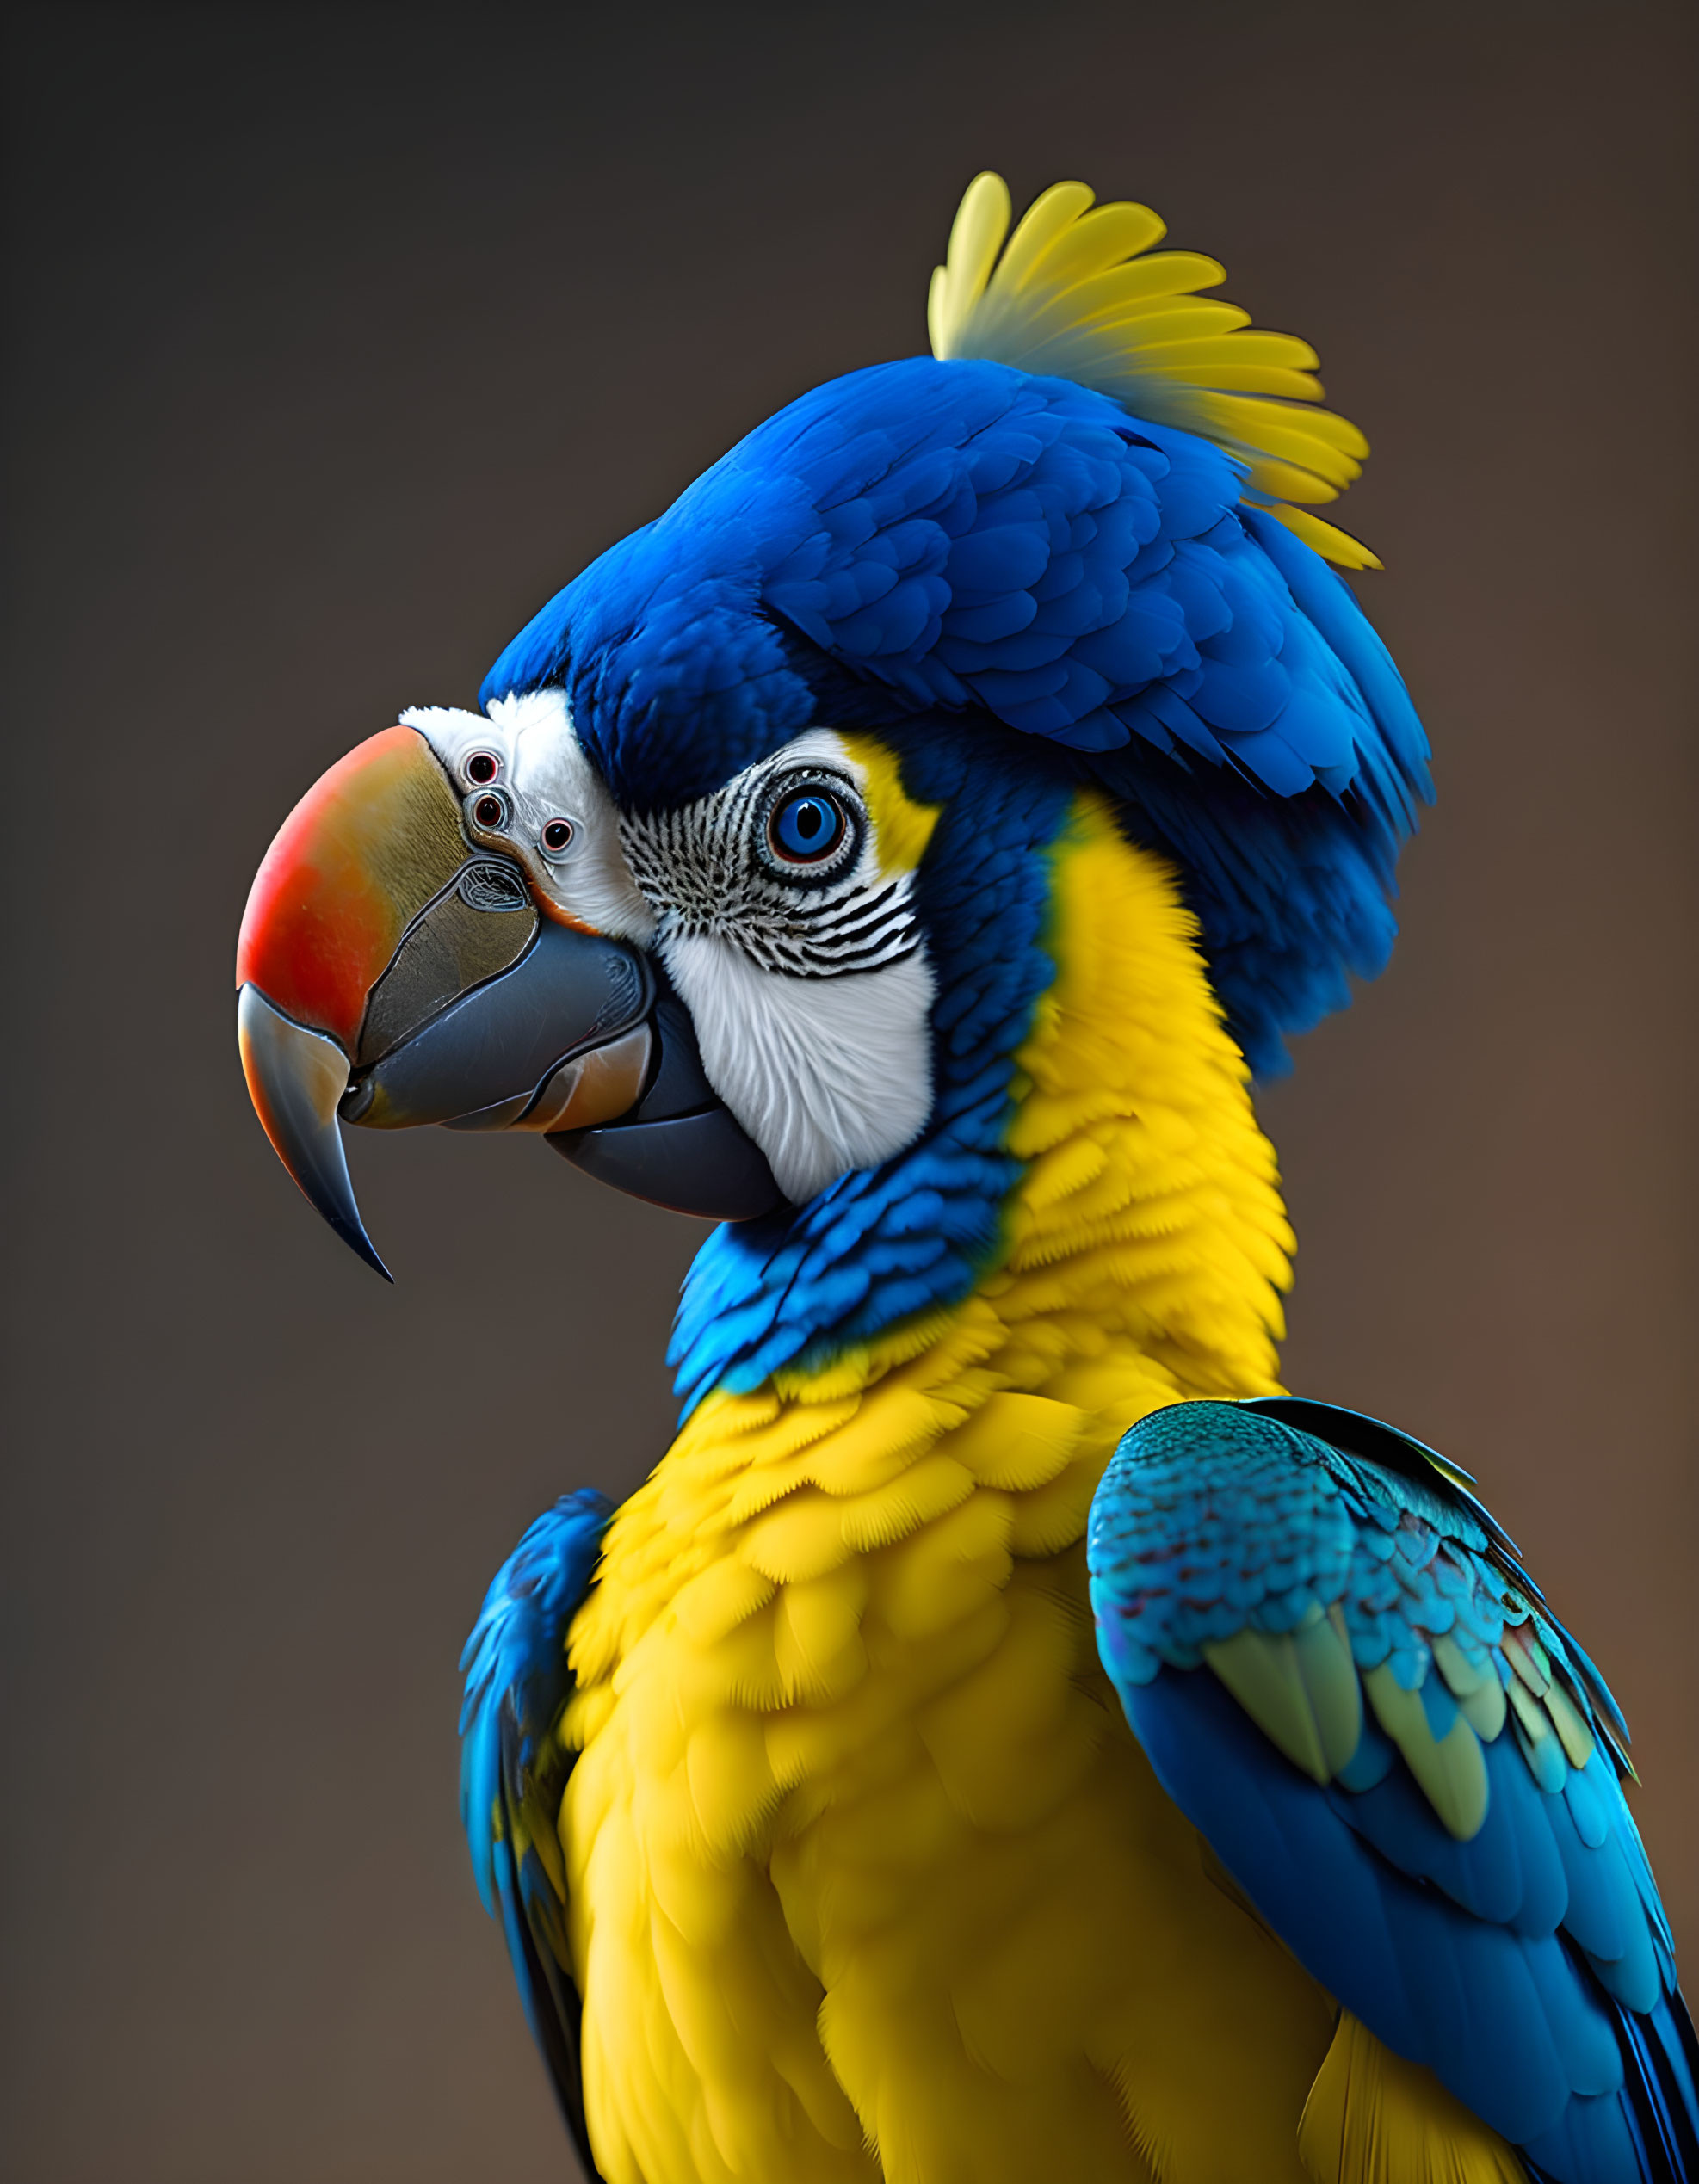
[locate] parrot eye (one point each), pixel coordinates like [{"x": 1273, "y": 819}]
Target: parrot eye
[
  {"x": 488, "y": 812},
  {"x": 481, "y": 768},
  {"x": 807, "y": 826},
  {"x": 557, "y": 836}
]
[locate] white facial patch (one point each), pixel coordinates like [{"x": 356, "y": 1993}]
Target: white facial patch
[
  {"x": 806, "y": 976},
  {"x": 807, "y": 979},
  {"x": 526, "y": 788},
  {"x": 826, "y": 1075}
]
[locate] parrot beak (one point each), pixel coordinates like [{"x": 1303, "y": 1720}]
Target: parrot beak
[
  {"x": 391, "y": 974},
  {"x": 296, "y": 1078}
]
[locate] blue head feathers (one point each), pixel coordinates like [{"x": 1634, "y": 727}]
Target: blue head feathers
[{"x": 1062, "y": 527}]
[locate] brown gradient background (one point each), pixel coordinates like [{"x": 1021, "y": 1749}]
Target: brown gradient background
[{"x": 341, "y": 338}]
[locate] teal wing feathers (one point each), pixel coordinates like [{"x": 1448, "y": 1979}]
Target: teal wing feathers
[
  {"x": 1345, "y": 1679},
  {"x": 514, "y": 1769}
]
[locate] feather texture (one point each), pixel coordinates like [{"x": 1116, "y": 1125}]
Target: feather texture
[
  {"x": 1374, "y": 2119},
  {"x": 1440, "y": 1854},
  {"x": 1074, "y": 295},
  {"x": 867, "y": 1877},
  {"x": 514, "y": 1769},
  {"x": 958, "y": 536}
]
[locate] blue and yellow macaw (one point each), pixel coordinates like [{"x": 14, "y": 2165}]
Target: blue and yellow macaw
[{"x": 1006, "y": 1737}]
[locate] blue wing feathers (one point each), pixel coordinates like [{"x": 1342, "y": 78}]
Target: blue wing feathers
[
  {"x": 1526, "y": 1958},
  {"x": 1463, "y": 1997},
  {"x": 1648, "y": 2131},
  {"x": 1663, "y": 2062},
  {"x": 514, "y": 1771}
]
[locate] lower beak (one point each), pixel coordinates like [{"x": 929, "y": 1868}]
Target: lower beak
[{"x": 391, "y": 975}]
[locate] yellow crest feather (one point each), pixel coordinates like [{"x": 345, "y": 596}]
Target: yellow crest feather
[{"x": 1077, "y": 293}]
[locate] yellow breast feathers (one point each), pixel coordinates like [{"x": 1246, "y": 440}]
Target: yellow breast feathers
[{"x": 859, "y": 1851}]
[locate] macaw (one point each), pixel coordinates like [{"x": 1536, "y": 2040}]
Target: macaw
[{"x": 1007, "y": 1735}]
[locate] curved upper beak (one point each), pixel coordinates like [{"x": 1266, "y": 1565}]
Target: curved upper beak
[
  {"x": 390, "y": 972},
  {"x": 295, "y": 1079}
]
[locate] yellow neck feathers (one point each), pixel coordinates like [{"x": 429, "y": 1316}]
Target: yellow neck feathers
[
  {"x": 848, "y": 1757},
  {"x": 1146, "y": 1246}
]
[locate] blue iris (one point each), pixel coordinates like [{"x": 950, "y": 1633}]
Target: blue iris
[{"x": 807, "y": 826}]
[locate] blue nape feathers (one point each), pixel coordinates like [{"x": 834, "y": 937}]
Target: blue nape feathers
[{"x": 964, "y": 537}]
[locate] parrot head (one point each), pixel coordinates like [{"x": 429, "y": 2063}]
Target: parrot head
[
  {"x": 744, "y": 885},
  {"x": 721, "y": 1007}
]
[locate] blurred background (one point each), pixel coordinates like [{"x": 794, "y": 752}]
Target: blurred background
[{"x": 340, "y": 337}]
